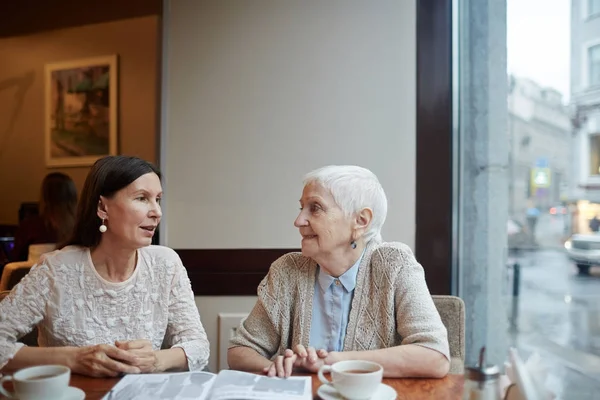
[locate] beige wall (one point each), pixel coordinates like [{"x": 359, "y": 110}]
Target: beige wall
[
  {"x": 22, "y": 164},
  {"x": 257, "y": 93}
]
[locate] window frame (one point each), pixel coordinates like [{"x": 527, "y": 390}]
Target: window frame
[
  {"x": 586, "y": 81},
  {"x": 585, "y": 12},
  {"x": 593, "y": 173},
  {"x": 588, "y": 9}
]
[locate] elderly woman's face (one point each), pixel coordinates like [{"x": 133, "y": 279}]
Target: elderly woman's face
[
  {"x": 134, "y": 212},
  {"x": 324, "y": 228}
]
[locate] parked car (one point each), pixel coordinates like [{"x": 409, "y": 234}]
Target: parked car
[{"x": 584, "y": 250}]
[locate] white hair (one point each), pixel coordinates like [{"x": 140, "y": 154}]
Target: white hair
[{"x": 354, "y": 188}]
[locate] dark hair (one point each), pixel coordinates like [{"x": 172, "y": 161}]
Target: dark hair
[
  {"x": 58, "y": 201},
  {"x": 107, "y": 176}
]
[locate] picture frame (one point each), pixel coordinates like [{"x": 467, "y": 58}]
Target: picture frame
[{"x": 81, "y": 103}]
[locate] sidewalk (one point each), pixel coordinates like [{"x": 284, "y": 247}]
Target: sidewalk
[{"x": 559, "y": 318}]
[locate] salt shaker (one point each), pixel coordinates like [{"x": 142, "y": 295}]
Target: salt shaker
[{"x": 482, "y": 382}]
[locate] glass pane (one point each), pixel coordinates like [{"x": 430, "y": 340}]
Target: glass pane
[
  {"x": 594, "y": 54},
  {"x": 593, "y": 7},
  {"x": 594, "y": 65},
  {"x": 554, "y": 160}
]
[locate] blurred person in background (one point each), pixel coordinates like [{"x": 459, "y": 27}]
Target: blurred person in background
[{"x": 54, "y": 224}]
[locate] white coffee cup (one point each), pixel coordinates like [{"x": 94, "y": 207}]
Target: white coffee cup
[
  {"x": 37, "y": 383},
  {"x": 354, "y": 379}
]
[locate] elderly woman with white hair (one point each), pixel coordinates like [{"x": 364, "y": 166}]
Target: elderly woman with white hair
[{"x": 348, "y": 295}]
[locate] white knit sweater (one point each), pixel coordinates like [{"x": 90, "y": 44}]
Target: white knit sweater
[{"x": 72, "y": 305}]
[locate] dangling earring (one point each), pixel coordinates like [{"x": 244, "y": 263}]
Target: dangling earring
[
  {"x": 102, "y": 227},
  {"x": 353, "y": 244}
]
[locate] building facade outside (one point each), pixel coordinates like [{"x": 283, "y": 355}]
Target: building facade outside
[
  {"x": 585, "y": 108},
  {"x": 539, "y": 132}
]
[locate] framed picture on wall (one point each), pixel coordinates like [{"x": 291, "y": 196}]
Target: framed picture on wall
[{"x": 80, "y": 111}]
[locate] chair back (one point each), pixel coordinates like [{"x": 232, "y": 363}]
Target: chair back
[
  {"x": 452, "y": 312},
  {"x": 30, "y": 339},
  {"x": 37, "y": 250},
  {"x": 13, "y": 273}
]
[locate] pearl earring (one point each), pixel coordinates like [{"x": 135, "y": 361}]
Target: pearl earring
[
  {"x": 353, "y": 244},
  {"x": 102, "y": 228}
]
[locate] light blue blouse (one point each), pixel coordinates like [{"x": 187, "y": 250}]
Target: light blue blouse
[{"x": 332, "y": 302}]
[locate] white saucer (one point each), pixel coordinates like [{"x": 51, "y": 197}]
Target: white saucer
[
  {"x": 73, "y": 393},
  {"x": 383, "y": 392}
]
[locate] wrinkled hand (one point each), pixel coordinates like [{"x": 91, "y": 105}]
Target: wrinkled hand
[
  {"x": 310, "y": 359},
  {"x": 301, "y": 357},
  {"x": 145, "y": 355},
  {"x": 282, "y": 366},
  {"x": 103, "y": 360}
]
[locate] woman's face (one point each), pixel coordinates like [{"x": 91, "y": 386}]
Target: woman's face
[
  {"x": 324, "y": 228},
  {"x": 133, "y": 213}
]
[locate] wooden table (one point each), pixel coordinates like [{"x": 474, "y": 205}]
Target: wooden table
[{"x": 448, "y": 388}]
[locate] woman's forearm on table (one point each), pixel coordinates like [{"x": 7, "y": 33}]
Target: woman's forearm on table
[
  {"x": 246, "y": 359},
  {"x": 29, "y": 356},
  {"x": 173, "y": 359},
  {"x": 406, "y": 361}
]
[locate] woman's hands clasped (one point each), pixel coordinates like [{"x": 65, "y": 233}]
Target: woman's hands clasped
[
  {"x": 103, "y": 360},
  {"x": 125, "y": 357},
  {"x": 146, "y": 359},
  {"x": 306, "y": 358}
]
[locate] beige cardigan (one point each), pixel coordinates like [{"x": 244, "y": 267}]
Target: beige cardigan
[{"x": 391, "y": 305}]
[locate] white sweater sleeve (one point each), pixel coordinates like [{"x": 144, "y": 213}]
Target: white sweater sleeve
[
  {"x": 22, "y": 310},
  {"x": 184, "y": 328}
]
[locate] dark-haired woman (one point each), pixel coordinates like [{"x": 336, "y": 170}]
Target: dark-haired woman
[
  {"x": 54, "y": 224},
  {"x": 108, "y": 302}
]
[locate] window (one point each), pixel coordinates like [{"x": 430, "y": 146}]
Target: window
[
  {"x": 594, "y": 65},
  {"x": 595, "y": 155},
  {"x": 593, "y": 7},
  {"x": 551, "y": 204}
]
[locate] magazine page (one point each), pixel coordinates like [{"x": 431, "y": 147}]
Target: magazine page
[
  {"x": 171, "y": 386},
  {"x": 236, "y": 385}
]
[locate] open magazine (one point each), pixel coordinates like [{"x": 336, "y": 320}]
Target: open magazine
[{"x": 227, "y": 385}]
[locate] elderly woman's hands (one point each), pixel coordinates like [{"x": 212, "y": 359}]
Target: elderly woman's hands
[
  {"x": 146, "y": 359},
  {"x": 312, "y": 360},
  {"x": 103, "y": 360},
  {"x": 282, "y": 366},
  {"x": 308, "y": 359}
]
